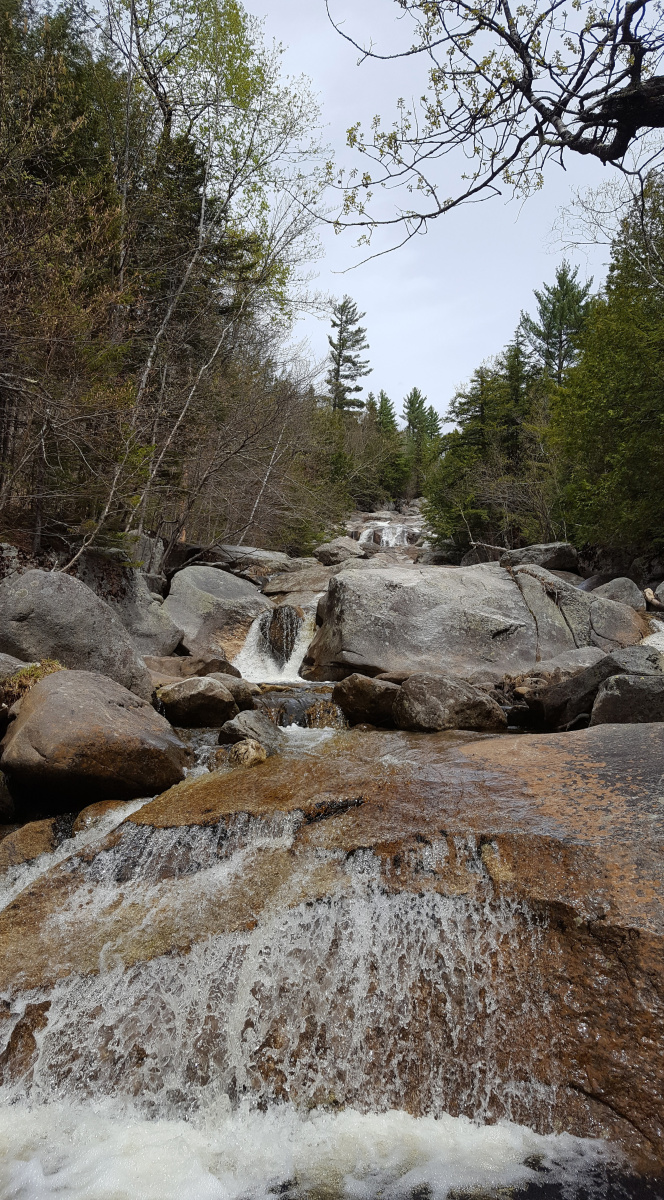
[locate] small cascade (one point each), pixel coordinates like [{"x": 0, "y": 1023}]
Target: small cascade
[
  {"x": 387, "y": 535},
  {"x": 276, "y": 645}
]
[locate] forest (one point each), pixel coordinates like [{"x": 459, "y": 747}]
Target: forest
[{"x": 162, "y": 190}]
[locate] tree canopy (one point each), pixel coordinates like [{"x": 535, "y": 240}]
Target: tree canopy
[{"x": 508, "y": 89}]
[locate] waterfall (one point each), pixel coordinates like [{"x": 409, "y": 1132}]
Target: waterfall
[
  {"x": 388, "y": 534},
  {"x": 273, "y": 652},
  {"x": 275, "y": 1059}
]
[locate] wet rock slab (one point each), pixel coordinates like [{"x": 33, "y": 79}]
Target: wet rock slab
[{"x": 439, "y": 922}]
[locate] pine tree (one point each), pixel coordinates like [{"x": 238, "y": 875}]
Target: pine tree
[
  {"x": 561, "y": 311},
  {"x": 387, "y": 419},
  {"x": 346, "y": 366}
]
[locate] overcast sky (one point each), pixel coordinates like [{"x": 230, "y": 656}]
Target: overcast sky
[{"x": 448, "y": 300}]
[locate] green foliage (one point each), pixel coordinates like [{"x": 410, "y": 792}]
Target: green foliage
[
  {"x": 17, "y": 685},
  {"x": 561, "y": 311},
  {"x": 609, "y": 417},
  {"x": 346, "y": 346}
]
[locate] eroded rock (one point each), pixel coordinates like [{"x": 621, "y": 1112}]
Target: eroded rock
[
  {"x": 503, "y": 897},
  {"x": 247, "y": 753},
  {"x": 624, "y": 591},
  {"x": 197, "y": 703},
  {"x": 80, "y": 735},
  {"x": 337, "y": 551},
  {"x": 555, "y": 556}
]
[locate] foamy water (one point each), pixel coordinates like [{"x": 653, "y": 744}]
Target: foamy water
[
  {"x": 257, "y": 665},
  {"x": 74, "y": 1154}
]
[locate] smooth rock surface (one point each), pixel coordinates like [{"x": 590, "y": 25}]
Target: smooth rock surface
[
  {"x": 80, "y": 736},
  {"x": 429, "y": 703},
  {"x": 197, "y": 703},
  {"x": 364, "y": 699},
  {"x": 46, "y": 614},
  {"x": 254, "y": 725},
  {"x": 626, "y": 699},
  {"x": 125, "y": 589},
  {"x": 491, "y": 911},
  {"x": 214, "y": 608},
  {"x": 555, "y": 556},
  {"x": 242, "y": 692},
  {"x": 624, "y": 591},
  {"x": 337, "y": 551},
  {"x": 478, "y": 623}
]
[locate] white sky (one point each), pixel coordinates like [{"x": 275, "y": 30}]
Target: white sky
[{"x": 438, "y": 307}]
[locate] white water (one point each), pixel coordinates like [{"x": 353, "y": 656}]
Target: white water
[
  {"x": 78, "y": 1154},
  {"x": 257, "y": 665},
  {"x": 391, "y": 533},
  {"x": 16, "y": 879}
]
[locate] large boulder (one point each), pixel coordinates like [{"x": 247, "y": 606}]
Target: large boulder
[
  {"x": 361, "y": 698},
  {"x": 79, "y": 736},
  {"x": 567, "y": 617},
  {"x": 628, "y": 699},
  {"x": 478, "y": 623},
  {"x": 125, "y": 589},
  {"x": 45, "y": 614},
  {"x": 242, "y": 692},
  {"x": 197, "y": 703},
  {"x": 563, "y": 702},
  {"x": 428, "y": 703},
  {"x": 624, "y": 591},
  {"x": 555, "y": 556},
  {"x": 214, "y": 608},
  {"x": 337, "y": 551},
  {"x": 254, "y": 725}
]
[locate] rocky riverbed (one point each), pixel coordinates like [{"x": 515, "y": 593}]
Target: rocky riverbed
[{"x": 347, "y": 837}]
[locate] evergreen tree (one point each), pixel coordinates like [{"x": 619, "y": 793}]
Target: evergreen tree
[
  {"x": 561, "y": 311},
  {"x": 346, "y": 346},
  {"x": 387, "y": 419}
]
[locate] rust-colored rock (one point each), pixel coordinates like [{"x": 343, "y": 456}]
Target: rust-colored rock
[
  {"x": 31, "y": 840},
  {"x": 421, "y": 921}
]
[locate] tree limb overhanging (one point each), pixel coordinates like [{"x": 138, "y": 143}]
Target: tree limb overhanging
[{"x": 509, "y": 88}]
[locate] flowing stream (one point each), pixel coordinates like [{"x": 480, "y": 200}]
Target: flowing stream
[{"x": 276, "y": 1057}]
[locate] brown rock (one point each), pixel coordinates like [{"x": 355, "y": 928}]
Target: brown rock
[
  {"x": 94, "y": 813},
  {"x": 247, "y": 753},
  {"x": 242, "y": 692},
  {"x": 197, "y": 703},
  {"x": 364, "y": 699},
  {"x": 472, "y": 926},
  {"x": 185, "y": 666},
  {"x": 78, "y": 733},
  {"x": 31, "y": 840}
]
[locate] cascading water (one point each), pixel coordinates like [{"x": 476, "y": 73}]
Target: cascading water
[
  {"x": 387, "y": 534},
  {"x": 276, "y": 645},
  {"x": 271, "y": 1058}
]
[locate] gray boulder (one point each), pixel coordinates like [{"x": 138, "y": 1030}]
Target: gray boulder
[
  {"x": 79, "y": 736},
  {"x": 571, "y": 662},
  {"x": 185, "y": 666},
  {"x": 254, "y": 725},
  {"x": 566, "y": 617},
  {"x": 337, "y": 551},
  {"x": 242, "y": 692},
  {"x": 562, "y": 703},
  {"x": 363, "y": 699},
  {"x": 214, "y": 608},
  {"x": 197, "y": 703},
  {"x": 247, "y": 753},
  {"x": 125, "y": 589},
  {"x": 478, "y": 623},
  {"x": 46, "y": 614},
  {"x": 427, "y": 703},
  {"x": 555, "y": 556},
  {"x": 10, "y": 665},
  {"x": 629, "y": 699},
  {"x": 624, "y": 591}
]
